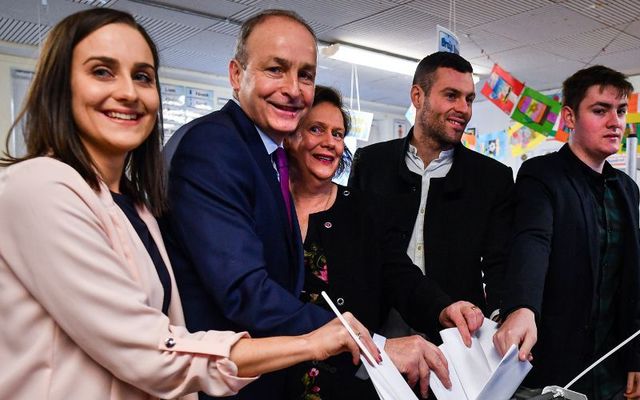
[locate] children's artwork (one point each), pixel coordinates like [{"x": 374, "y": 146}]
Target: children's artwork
[
  {"x": 633, "y": 112},
  {"x": 537, "y": 111},
  {"x": 522, "y": 139},
  {"x": 562, "y": 133},
  {"x": 630, "y": 129},
  {"x": 469, "y": 138},
  {"x": 493, "y": 144},
  {"x": 400, "y": 128},
  {"x": 502, "y": 89},
  {"x": 361, "y": 122}
]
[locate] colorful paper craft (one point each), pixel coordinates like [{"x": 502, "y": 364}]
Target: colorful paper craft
[
  {"x": 537, "y": 111},
  {"x": 493, "y": 144},
  {"x": 469, "y": 141},
  {"x": 502, "y": 89},
  {"x": 562, "y": 133},
  {"x": 633, "y": 112},
  {"x": 522, "y": 139}
]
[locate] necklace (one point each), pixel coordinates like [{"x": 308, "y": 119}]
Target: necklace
[
  {"x": 322, "y": 204},
  {"x": 327, "y": 202}
]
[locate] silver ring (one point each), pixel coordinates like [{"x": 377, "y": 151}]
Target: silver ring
[{"x": 358, "y": 334}]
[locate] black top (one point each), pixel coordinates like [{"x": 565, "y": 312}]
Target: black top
[
  {"x": 609, "y": 377},
  {"x": 467, "y": 220},
  {"x": 360, "y": 262},
  {"x": 554, "y": 265},
  {"x": 127, "y": 206}
]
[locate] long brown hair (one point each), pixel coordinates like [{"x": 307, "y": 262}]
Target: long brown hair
[{"x": 49, "y": 127}]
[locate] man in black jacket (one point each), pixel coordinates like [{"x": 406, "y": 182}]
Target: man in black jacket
[
  {"x": 573, "y": 273},
  {"x": 452, "y": 205}
]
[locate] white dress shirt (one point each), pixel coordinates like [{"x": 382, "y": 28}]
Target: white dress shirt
[{"x": 437, "y": 168}]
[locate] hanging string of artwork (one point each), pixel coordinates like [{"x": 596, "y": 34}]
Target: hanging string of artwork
[{"x": 536, "y": 116}]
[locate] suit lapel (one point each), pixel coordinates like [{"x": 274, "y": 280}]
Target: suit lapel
[
  {"x": 297, "y": 250},
  {"x": 630, "y": 269},
  {"x": 247, "y": 129},
  {"x": 589, "y": 209}
]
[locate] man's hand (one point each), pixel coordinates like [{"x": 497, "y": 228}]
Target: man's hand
[
  {"x": 519, "y": 329},
  {"x": 415, "y": 357},
  {"x": 633, "y": 386},
  {"x": 463, "y": 315}
]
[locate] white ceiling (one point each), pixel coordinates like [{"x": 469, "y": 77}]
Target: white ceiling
[{"x": 538, "y": 41}]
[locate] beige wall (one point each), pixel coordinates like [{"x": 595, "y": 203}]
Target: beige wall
[{"x": 6, "y": 95}]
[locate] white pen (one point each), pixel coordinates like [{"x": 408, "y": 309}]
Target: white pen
[{"x": 351, "y": 332}]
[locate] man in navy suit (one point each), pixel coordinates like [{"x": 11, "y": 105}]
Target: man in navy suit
[
  {"x": 237, "y": 259},
  {"x": 234, "y": 242},
  {"x": 573, "y": 277}
]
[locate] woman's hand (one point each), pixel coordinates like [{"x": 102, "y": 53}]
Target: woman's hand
[{"x": 333, "y": 338}]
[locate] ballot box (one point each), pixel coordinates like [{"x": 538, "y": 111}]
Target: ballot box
[{"x": 548, "y": 393}]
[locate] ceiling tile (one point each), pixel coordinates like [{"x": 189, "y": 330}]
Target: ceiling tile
[
  {"x": 340, "y": 12},
  {"x": 22, "y": 32},
  {"x": 550, "y": 78},
  {"x": 475, "y": 12},
  {"x": 400, "y": 27},
  {"x": 587, "y": 45},
  {"x": 221, "y": 8},
  {"x": 96, "y": 3},
  {"x": 632, "y": 28},
  {"x": 164, "y": 14},
  {"x": 477, "y": 42},
  {"x": 527, "y": 27},
  {"x": 624, "y": 61},
  {"x": 610, "y": 12},
  {"x": 526, "y": 58},
  {"x": 166, "y": 34}
]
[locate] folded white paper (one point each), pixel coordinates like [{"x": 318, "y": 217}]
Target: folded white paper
[
  {"x": 386, "y": 378},
  {"x": 479, "y": 373}
]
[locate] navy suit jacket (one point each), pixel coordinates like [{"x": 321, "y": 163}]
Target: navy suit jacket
[{"x": 238, "y": 264}]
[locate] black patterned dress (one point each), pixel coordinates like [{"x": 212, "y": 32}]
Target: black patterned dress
[{"x": 360, "y": 261}]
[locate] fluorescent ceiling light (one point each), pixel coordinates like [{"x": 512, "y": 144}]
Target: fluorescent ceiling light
[
  {"x": 370, "y": 58},
  {"x": 374, "y": 59}
]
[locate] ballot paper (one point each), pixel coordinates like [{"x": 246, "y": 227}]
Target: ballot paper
[
  {"x": 479, "y": 373},
  {"x": 387, "y": 380}
]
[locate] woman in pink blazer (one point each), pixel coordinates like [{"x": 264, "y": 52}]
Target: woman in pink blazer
[{"x": 88, "y": 304}]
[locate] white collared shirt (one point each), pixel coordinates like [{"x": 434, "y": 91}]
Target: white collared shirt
[
  {"x": 269, "y": 144},
  {"x": 437, "y": 168}
]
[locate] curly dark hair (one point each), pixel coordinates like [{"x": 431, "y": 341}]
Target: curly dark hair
[{"x": 326, "y": 94}]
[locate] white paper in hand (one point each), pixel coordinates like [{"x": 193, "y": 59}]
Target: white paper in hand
[
  {"x": 387, "y": 380},
  {"x": 479, "y": 373},
  {"x": 385, "y": 377}
]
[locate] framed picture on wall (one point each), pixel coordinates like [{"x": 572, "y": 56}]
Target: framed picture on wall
[{"x": 400, "y": 128}]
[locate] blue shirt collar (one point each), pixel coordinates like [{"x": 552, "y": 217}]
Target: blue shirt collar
[{"x": 269, "y": 143}]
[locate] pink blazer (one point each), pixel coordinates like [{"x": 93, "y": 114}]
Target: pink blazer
[{"x": 80, "y": 300}]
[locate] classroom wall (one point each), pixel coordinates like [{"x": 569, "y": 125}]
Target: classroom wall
[{"x": 6, "y": 92}]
